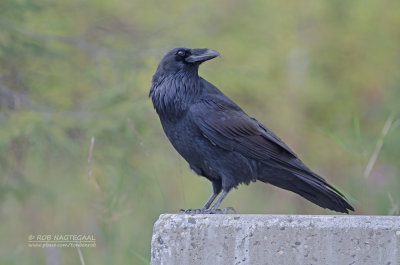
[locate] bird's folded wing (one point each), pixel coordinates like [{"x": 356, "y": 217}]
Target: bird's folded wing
[
  {"x": 233, "y": 130},
  {"x": 230, "y": 128}
]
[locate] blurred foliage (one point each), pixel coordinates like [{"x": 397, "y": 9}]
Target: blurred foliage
[{"x": 323, "y": 75}]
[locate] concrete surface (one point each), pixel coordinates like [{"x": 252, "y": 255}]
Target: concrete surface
[{"x": 275, "y": 239}]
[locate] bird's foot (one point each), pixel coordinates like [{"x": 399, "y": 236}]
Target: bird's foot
[
  {"x": 208, "y": 211},
  {"x": 192, "y": 211},
  {"x": 224, "y": 210}
]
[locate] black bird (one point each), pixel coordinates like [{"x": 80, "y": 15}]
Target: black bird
[{"x": 221, "y": 142}]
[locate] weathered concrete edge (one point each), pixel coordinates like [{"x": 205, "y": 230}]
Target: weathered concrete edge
[
  {"x": 320, "y": 221},
  {"x": 173, "y": 224}
]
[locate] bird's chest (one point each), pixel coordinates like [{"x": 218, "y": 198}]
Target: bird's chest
[{"x": 188, "y": 141}]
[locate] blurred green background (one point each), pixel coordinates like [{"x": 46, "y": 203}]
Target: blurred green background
[{"x": 323, "y": 75}]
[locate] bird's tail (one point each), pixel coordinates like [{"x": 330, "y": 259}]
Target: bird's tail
[{"x": 316, "y": 190}]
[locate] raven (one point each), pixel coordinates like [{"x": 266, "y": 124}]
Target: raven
[{"x": 221, "y": 142}]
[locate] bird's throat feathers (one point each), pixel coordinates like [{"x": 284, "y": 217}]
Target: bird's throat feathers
[{"x": 173, "y": 94}]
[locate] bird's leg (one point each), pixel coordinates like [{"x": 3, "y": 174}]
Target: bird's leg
[
  {"x": 214, "y": 208},
  {"x": 209, "y": 201},
  {"x": 203, "y": 209}
]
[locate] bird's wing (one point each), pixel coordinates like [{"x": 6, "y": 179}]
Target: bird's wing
[
  {"x": 225, "y": 125},
  {"x": 230, "y": 128}
]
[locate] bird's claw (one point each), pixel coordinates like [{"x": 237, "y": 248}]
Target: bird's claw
[
  {"x": 192, "y": 211},
  {"x": 226, "y": 210},
  {"x": 207, "y": 211}
]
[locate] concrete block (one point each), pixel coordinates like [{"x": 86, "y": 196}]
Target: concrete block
[{"x": 275, "y": 239}]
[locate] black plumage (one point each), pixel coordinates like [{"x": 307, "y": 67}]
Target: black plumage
[{"x": 221, "y": 142}]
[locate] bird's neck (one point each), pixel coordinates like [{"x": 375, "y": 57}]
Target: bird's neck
[{"x": 172, "y": 95}]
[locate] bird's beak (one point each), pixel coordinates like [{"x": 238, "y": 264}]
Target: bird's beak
[{"x": 201, "y": 55}]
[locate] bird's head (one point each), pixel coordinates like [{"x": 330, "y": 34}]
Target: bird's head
[
  {"x": 176, "y": 79},
  {"x": 184, "y": 59}
]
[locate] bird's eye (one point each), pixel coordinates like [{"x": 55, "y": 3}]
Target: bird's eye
[{"x": 181, "y": 53}]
